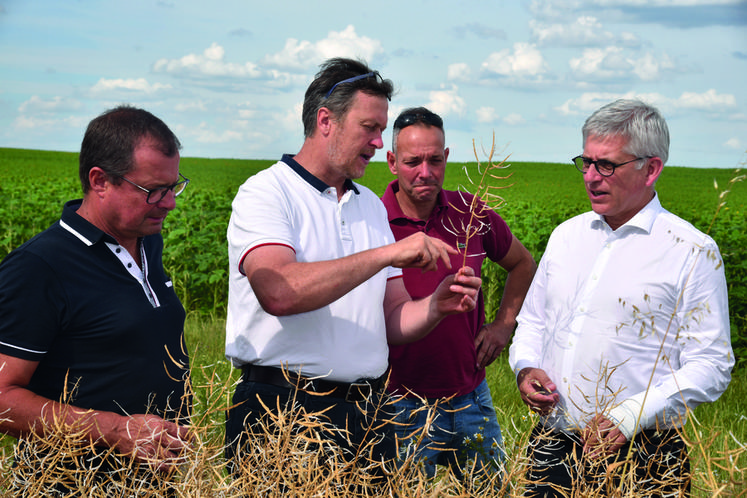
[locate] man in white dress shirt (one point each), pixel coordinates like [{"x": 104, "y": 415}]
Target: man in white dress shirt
[{"x": 625, "y": 327}]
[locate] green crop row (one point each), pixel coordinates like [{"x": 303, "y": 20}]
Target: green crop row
[{"x": 538, "y": 196}]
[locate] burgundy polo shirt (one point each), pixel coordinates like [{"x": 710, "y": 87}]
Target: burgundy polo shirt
[{"x": 443, "y": 363}]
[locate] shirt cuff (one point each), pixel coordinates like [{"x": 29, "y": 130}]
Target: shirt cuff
[{"x": 521, "y": 365}]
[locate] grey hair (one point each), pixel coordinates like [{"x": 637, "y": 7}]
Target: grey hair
[{"x": 641, "y": 125}]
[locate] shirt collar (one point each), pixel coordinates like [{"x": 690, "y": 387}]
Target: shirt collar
[
  {"x": 643, "y": 220},
  {"x": 311, "y": 179},
  {"x": 84, "y": 230},
  {"x": 394, "y": 211}
]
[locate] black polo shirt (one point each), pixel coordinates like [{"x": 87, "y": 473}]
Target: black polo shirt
[{"x": 69, "y": 303}]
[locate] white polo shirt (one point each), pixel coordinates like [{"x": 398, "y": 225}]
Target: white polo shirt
[{"x": 286, "y": 205}]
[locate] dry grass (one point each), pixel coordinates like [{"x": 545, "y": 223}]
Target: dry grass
[{"x": 290, "y": 456}]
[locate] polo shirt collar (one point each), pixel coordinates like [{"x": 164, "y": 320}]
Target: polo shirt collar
[
  {"x": 311, "y": 179},
  {"x": 642, "y": 221},
  {"x": 394, "y": 211},
  {"x": 84, "y": 230}
]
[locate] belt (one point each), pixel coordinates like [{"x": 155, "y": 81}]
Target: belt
[{"x": 351, "y": 392}]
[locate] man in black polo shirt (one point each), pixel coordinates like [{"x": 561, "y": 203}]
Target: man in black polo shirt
[{"x": 91, "y": 330}]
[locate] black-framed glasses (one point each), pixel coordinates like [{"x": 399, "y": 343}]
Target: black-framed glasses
[
  {"x": 410, "y": 118},
  {"x": 156, "y": 195},
  {"x": 603, "y": 166},
  {"x": 372, "y": 74}
]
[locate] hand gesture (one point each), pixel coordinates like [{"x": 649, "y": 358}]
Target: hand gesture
[
  {"x": 153, "y": 440},
  {"x": 537, "y": 390},
  {"x": 601, "y": 437},
  {"x": 457, "y": 293},
  {"x": 489, "y": 343},
  {"x": 421, "y": 251}
]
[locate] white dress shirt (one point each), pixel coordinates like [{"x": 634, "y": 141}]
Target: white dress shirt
[{"x": 632, "y": 323}]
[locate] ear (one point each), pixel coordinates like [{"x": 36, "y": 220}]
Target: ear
[
  {"x": 391, "y": 161},
  {"x": 446, "y": 154},
  {"x": 653, "y": 170},
  {"x": 99, "y": 180},
  {"x": 324, "y": 121}
]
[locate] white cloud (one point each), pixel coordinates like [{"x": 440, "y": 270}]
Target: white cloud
[
  {"x": 525, "y": 62},
  {"x": 734, "y": 143},
  {"x": 611, "y": 63},
  {"x": 209, "y": 63},
  {"x": 663, "y": 3},
  {"x": 56, "y": 104},
  {"x": 708, "y": 101},
  {"x": 650, "y": 68},
  {"x": 192, "y": 105},
  {"x": 205, "y": 134},
  {"x": 446, "y": 101},
  {"x": 486, "y": 115},
  {"x": 584, "y": 31},
  {"x": 302, "y": 55},
  {"x": 46, "y": 122},
  {"x": 514, "y": 119},
  {"x": 132, "y": 84},
  {"x": 458, "y": 72},
  {"x": 591, "y": 101},
  {"x": 489, "y": 115}
]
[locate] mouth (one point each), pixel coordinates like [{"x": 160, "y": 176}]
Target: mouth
[{"x": 367, "y": 157}]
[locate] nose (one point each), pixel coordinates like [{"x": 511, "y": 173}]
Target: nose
[
  {"x": 424, "y": 171},
  {"x": 592, "y": 174},
  {"x": 378, "y": 140},
  {"x": 168, "y": 202}
]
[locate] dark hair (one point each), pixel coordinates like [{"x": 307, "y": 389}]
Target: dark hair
[
  {"x": 415, "y": 115},
  {"x": 111, "y": 138},
  {"x": 335, "y": 86}
]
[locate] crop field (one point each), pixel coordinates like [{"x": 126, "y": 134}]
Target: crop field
[{"x": 537, "y": 197}]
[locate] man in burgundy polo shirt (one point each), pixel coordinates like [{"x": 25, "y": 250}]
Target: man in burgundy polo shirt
[{"x": 447, "y": 367}]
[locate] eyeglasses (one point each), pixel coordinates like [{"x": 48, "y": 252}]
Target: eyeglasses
[
  {"x": 410, "y": 118},
  {"x": 156, "y": 195},
  {"x": 374, "y": 74},
  {"x": 603, "y": 166}
]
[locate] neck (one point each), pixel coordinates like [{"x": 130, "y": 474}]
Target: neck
[
  {"x": 88, "y": 212},
  {"x": 317, "y": 164}
]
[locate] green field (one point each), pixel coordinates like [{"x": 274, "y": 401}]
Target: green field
[{"x": 35, "y": 184}]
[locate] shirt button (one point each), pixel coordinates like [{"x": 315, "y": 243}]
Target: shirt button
[
  {"x": 119, "y": 250},
  {"x": 129, "y": 265}
]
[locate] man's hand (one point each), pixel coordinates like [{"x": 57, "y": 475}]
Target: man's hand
[
  {"x": 457, "y": 293},
  {"x": 602, "y": 437},
  {"x": 537, "y": 390},
  {"x": 153, "y": 440},
  {"x": 421, "y": 251},
  {"x": 489, "y": 343}
]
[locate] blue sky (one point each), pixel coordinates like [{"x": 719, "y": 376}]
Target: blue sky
[{"x": 229, "y": 76}]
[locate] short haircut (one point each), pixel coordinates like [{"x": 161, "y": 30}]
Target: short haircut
[
  {"x": 640, "y": 124},
  {"x": 111, "y": 138},
  {"x": 415, "y": 115},
  {"x": 335, "y": 86}
]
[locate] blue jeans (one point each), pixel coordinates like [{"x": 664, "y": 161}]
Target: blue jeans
[{"x": 462, "y": 430}]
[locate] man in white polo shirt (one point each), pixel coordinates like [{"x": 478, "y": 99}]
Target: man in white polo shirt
[{"x": 315, "y": 280}]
